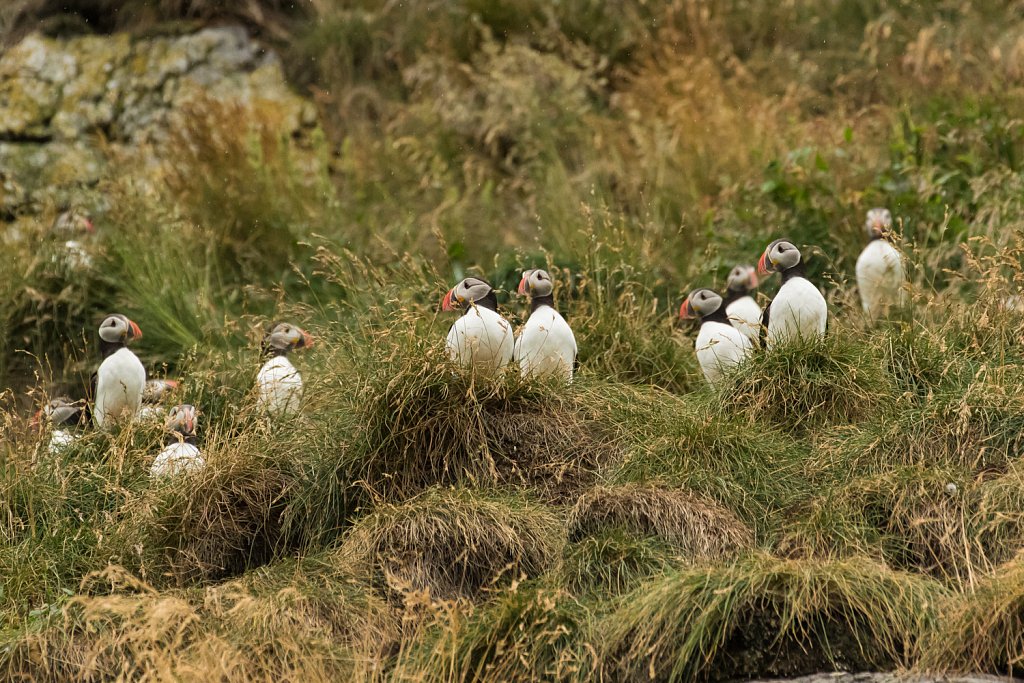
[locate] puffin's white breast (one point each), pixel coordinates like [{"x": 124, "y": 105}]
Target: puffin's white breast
[
  {"x": 177, "y": 458},
  {"x": 546, "y": 345},
  {"x": 280, "y": 387},
  {"x": 798, "y": 311},
  {"x": 745, "y": 315},
  {"x": 60, "y": 439},
  {"x": 880, "y": 277},
  {"x": 720, "y": 347},
  {"x": 481, "y": 339},
  {"x": 119, "y": 383}
]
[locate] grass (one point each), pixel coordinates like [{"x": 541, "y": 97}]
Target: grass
[{"x": 853, "y": 502}]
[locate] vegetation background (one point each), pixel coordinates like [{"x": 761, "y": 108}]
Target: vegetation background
[{"x": 856, "y": 503}]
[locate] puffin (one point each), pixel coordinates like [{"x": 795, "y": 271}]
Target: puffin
[
  {"x": 278, "y": 383},
  {"x": 546, "y": 346},
  {"x": 798, "y": 310},
  {"x": 73, "y": 226},
  {"x": 880, "y": 275},
  {"x": 719, "y": 346},
  {"x": 154, "y": 394},
  {"x": 120, "y": 379},
  {"x": 180, "y": 455},
  {"x": 481, "y": 340},
  {"x": 65, "y": 418},
  {"x": 744, "y": 313}
]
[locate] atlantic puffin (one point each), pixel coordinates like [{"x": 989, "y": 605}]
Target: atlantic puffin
[
  {"x": 65, "y": 418},
  {"x": 278, "y": 383},
  {"x": 181, "y": 454},
  {"x": 719, "y": 346},
  {"x": 154, "y": 396},
  {"x": 74, "y": 226},
  {"x": 481, "y": 339},
  {"x": 546, "y": 345},
  {"x": 880, "y": 276},
  {"x": 744, "y": 313},
  {"x": 120, "y": 379},
  {"x": 798, "y": 310}
]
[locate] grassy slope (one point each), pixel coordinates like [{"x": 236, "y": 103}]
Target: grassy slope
[{"x": 415, "y": 524}]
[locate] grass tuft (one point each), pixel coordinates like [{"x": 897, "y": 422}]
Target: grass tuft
[
  {"x": 698, "y": 528},
  {"x": 765, "y": 616},
  {"x": 454, "y": 543}
]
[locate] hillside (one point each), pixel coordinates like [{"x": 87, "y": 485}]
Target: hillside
[{"x": 854, "y": 503}]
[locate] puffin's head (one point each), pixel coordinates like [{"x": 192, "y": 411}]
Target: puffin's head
[
  {"x": 285, "y": 337},
  {"x": 60, "y": 412},
  {"x": 536, "y": 282},
  {"x": 118, "y": 328},
  {"x": 701, "y": 303},
  {"x": 156, "y": 390},
  {"x": 742, "y": 278},
  {"x": 465, "y": 293},
  {"x": 878, "y": 223},
  {"x": 183, "y": 419},
  {"x": 780, "y": 255},
  {"x": 72, "y": 222}
]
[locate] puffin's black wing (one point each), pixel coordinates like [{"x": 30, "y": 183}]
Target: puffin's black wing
[{"x": 762, "y": 334}]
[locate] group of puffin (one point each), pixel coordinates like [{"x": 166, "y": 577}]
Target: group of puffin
[
  {"x": 481, "y": 340},
  {"x": 732, "y": 326},
  {"x": 121, "y": 392}
]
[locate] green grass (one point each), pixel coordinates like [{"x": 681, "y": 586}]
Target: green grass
[{"x": 853, "y": 502}]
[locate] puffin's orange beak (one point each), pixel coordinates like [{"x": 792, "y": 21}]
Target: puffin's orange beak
[
  {"x": 754, "y": 282},
  {"x": 307, "y": 340},
  {"x": 136, "y": 332},
  {"x": 762, "y": 268},
  {"x": 172, "y": 383},
  {"x": 89, "y": 227},
  {"x": 684, "y": 311},
  {"x": 446, "y": 303},
  {"x": 522, "y": 286},
  {"x": 37, "y": 420},
  {"x": 190, "y": 423}
]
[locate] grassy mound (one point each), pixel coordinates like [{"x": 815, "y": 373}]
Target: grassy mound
[
  {"x": 227, "y": 519},
  {"x": 984, "y": 628},
  {"x": 686, "y": 442},
  {"x": 613, "y": 561},
  {"x": 810, "y": 383},
  {"x": 454, "y": 543},
  {"x": 304, "y": 620},
  {"x": 764, "y": 616},
  {"x": 529, "y": 633},
  {"x": 426, "y": 423},
  {"x": 699, "y": 528}
]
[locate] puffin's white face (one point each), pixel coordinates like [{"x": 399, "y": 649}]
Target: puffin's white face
[
  {"x": 466, "y": 292},
  {"x": 117, "y": 328},
  {"x": 742, "y": 278},
  {"x": 62, "y": 412},
  {"x": 182, "y": 419},
  {"x": 157, "y": 390},
  {"x": 780, "y": 255},
  {"x": 73, "y": 223},
  {"x": 536, "y": 282},
  {"x": 701, "y": 303},
  {"x": 879, "y": 222},
  {"x": 284, "y": 337}
]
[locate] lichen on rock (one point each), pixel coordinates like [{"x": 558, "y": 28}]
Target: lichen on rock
[{"x": 69, "y": 106}]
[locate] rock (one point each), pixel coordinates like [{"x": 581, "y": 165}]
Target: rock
[
  {"x": 68, "y": 107},
  {"x": 841, "y": 677}
]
